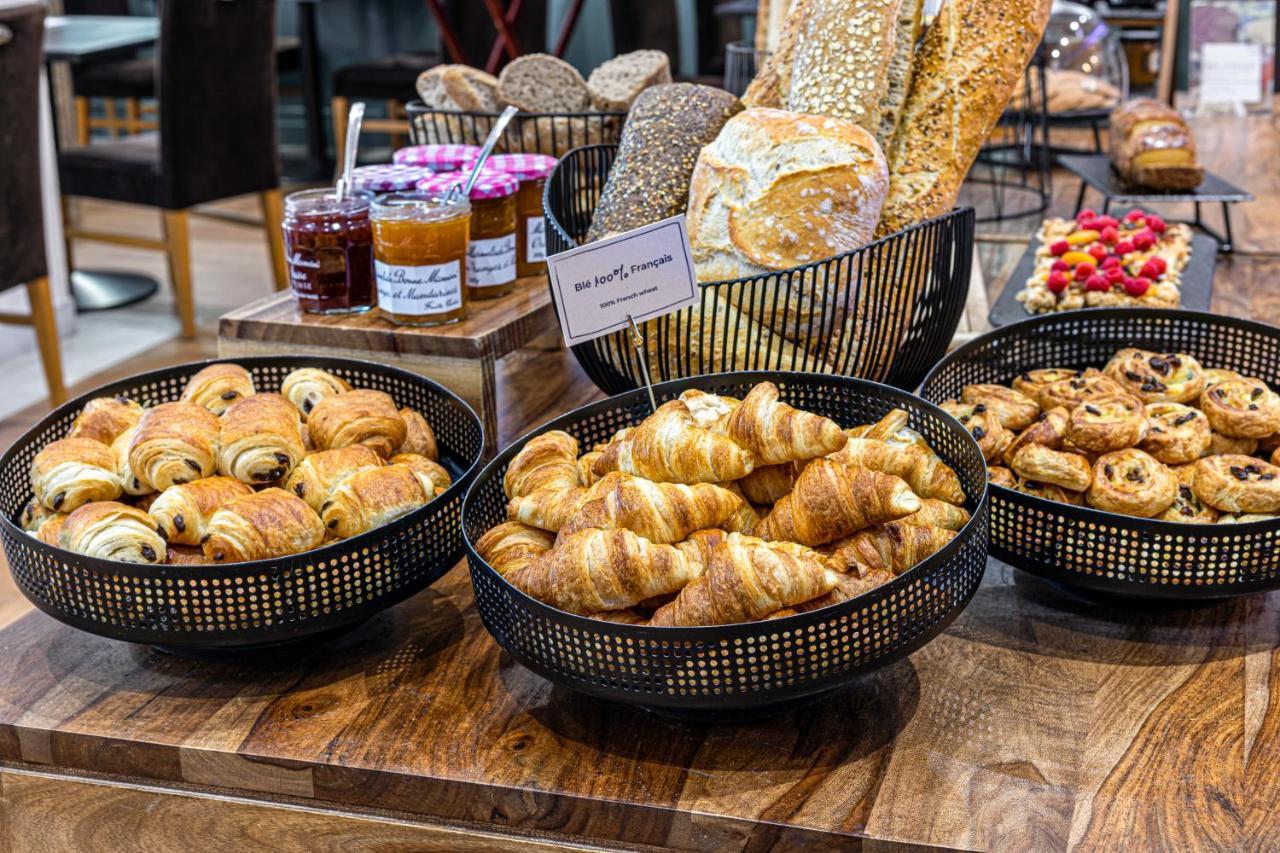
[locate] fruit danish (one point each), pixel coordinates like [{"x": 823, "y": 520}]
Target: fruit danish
[{"x": 1131, "y": 482}]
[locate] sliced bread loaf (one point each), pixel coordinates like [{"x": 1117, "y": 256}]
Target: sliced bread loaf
[
  {"x": 616, "y": 84},
  {"x": 458, "y": 87},
  {"x": 540, "y": 83}
]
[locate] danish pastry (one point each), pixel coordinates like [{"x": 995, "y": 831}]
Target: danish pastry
[
  {"x": 1220, "y": 444},
  {"x": 1044, "y": 465},
  {"x": 372, "y": 498},
  {"x": 112, "y": 531},
  {"x": 181, "y": 514},
  {"x": 1247, "y": 518},
  {"x": 1214, "y": 375},
  {"x": 419, "y": 438},
  {"x": 1033, "y": 383},
  {"x": 105, "y": 418},
  {"x": 1186, "y": 507},
  {"x": 1049, "y": 430},
  {"x": 363, "y": 416},
  {"x": 998, "y": 475},
  {"x": 1155, "y": 377},
  {"x": 71, "y": 472},
  {"x": 1242, "y": 408},
  {"x": 1237, "y": 484},
  {"x": 218, "y": 386},
  {"x": 261, "y": 440},
  {"x": 1049, "y": 491},
  {"x": 175, "y": 443},
  {"x": 307, "y": 386},
  {"x": 317, "y": 474},
  {"x": 1176, "y": 434},
  {"x": 1105, "y": 423},
  {"x": 1069, "y": 393},
  {"x": 434, "y": 476},
  {"x": 266, "y": 524},
  {"x": 982, "y": 423},
  {"x": 120, "y": 447},
  {"x": 1131, "y": 482},
  {"x": 1015, "y": 410}
]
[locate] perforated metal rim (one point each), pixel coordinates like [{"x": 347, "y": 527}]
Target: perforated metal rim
[
  {"x": 549, "y": 133},
  {"x": 1144, "y": 557},
  {"x": 310, "y": 593},
  {"x": 556, "y": 637}
]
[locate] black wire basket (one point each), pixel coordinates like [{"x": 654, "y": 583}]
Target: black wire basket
[
  {"x": 1103, "y": 551},
  {"x": 745, "y": 666},
  {"x": 741, "y": 62},
  {"x": 886, "y": 311},
  {"x": 246, "y": 608},
  {"x": 553, "y": 134}
]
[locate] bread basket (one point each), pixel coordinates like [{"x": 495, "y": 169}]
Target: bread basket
[
  {"x": 750, "y": 666},
  {"x": 247, "y": 608},
  {"x": 886, "y": 311},
  {"x": 536, "y": 133},
  {"x": 1103, "y": 551}
]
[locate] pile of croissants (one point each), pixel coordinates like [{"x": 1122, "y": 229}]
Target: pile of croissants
[
  {"x": 228, "y": 473},
  {"x": 1154, "y": 435},
  {"x": 715, "y": 510}
]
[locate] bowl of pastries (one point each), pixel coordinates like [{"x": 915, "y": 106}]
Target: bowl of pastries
[
  {"x": 757, "y": 538},
  {"x": 221, "y": 505},
  {"x": 1133, "y": 451}
]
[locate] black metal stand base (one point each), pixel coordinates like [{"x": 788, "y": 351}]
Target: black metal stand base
[{"x": 98, "y": 290}]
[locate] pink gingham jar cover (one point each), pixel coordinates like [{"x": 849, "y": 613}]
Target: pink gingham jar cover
[
  {"x": 438, "y": 158},
  {"x": 525, "y": 167},
  {"x": 387, "y": 177},
  {"x": 491, "y": 184}
]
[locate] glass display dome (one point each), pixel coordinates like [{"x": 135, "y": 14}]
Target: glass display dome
[{"x": 1086, "y": 68}]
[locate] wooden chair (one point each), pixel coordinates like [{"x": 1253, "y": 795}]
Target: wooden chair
[
  {"x": 122, "y": 84},
  {"x": 22, "y": 254},
  {"x": 391, "y": 80},
  {"x": 216, "y": 139}
]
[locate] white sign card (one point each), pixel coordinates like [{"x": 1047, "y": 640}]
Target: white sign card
[
  {"x": 603, "y": 286},
  {"x": 1230, "y": 73}
]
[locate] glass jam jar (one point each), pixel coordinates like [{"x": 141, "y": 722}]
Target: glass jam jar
[
  {"x": 532, "y": 171},
  {"x": 328, "y": 247},
  {"x": 437, "y": 158},
  {"x": 491, "y": 258},
  {"x": 420, "y": 257}
]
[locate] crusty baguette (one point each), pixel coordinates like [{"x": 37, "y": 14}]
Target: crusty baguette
[
  {"x": 773, "y": 80},
  {"x": 898, "y": 82},
  {"x": 541, "y": 83},
  {"x": 615, "y": 84}
]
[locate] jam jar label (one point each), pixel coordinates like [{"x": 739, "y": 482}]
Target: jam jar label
[
  {"x": 535, "y": 239},
  {"x": 491, "y": 262},
  {"x": 420, "y": 290}
]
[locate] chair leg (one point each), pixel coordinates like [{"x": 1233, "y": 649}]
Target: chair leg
[
  {"x": 45, "y": 323},
  {"x": 68, "y": 222},
  {"x": 82, "y": 120},
  {"x": 132, "y": 116},
  {"x": 339, "y": 107},
  {"x": 272, "y": 216},
  {"x": 395, "y": 111},
  {"x": 113, "y": 123},
  {"x": 178, "y": 251}
]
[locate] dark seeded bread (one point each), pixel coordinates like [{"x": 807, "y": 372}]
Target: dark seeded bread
[
  {"x": 540, "y": 83},
  {"x": 667, "y": 127},
  {"x": 616, "y": 84}
]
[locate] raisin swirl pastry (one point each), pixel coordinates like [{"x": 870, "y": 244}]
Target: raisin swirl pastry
[
  {"x": 1214, "y": 375},
  {"x": 373, "y": 498},
  {"x": 1156, "y": 377},
  {"x": 182, "y": 513},
  {"x": 307, "y": 386},
  {"x": 363, "y": 416},
  {"x": 1242, "y": 408},
  {"x": 261, "y": 440},
  {"x": 105, "y": 418},
  {"x": 175, "y": 443},
  {"x": 1111, "y": 422},
  {"x": 1237, "y": 484},
  {"x": 132, "y": 485},
  {"x": 316, "y": 475},
  {"x": 218, "y": 386},
  {"x": 982, "y": 423},
  {"x": 1176, "y": 434},
  {"x": 1186, "y": 507},
  {"x": 1131, "y": 482},
  {"x": 419, "y": 438},
  {"x": 266, "y": 524},
  {"x": 1069, "y": 393},
  {"x": 112, "y": 531},
  {"x": 1033, "y": 382},
  {"x": 1044, "y": 465},
  {"x": 1220, "y": 444},
  {"x": 1049, "y": 491},
  {"x": 1015, "y": 410},
  {"x": 1049, "y": 430},
  {"x": 71, "y": 472}
]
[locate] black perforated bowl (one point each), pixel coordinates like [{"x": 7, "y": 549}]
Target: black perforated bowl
[
  {"x": 266, "y": 603},
  {"x": 751, "y": 665},
  {"x": 1103, "y": 551}
]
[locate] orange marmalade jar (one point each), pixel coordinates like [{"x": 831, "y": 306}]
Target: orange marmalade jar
[
  {"x": 532, "y": 171},
  {"x": 491, "y": 256},
  {"x": 420, "y": 256}
]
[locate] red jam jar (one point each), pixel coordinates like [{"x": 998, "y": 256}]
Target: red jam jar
[{"x": 329, "y": 248}]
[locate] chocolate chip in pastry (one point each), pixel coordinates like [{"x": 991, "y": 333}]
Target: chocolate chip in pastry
[
  {"x": 1176, "y": 434},
  {"x": 105, "y": 418},
  {"x": 218, "y": 386},
  {"x": 175, "y": 443},
  {"x": 182, "y": 513},
  {"x": 419, "y": 438},
  {"x": 317, "y": 474},
  {"x": 1049, "y": 430},
  {"x": 1232, "y": 483},
  {"x": 261, "y": 440},
  {"x": 1131, "y": 482},
  {"x": 998, "y": 475},
  {"x": 1049, "y": 491},
  {"x": 1242, "y": 408},
  {"x": 373, "y": 498},
  {"x": 1157, "y": 377},
  {"x": 1015, "y": 410},
  {"x": 132, "y": 485},
  {"x": 1220, "y": 444},
  {"x": 71, "y": 472},
  {"x": 309, "y": 385},
  {"x": 1187, "y": 508},
  {"x": 1106, "y": 423},
  {"x": 1045, "y": 465},
  {"x": 1033, "y": 382},
  {"x": 1069, "y": 393},
  {"x": 266, "y": 524},
  {"x": 112, "y": 531},
  {"x": 432, "y": 474},
  {"x": 983, "y": 424},
  {"x": 363, "y": 416}
]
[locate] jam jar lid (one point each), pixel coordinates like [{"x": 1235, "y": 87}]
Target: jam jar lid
[
  {"x": 491, "y": 183},
  {"x": 438, "y": 158},
  {"x": 387, "y": 177},
  {"x": 525, "y": 167},
  {"x": 324, "y": 201}
]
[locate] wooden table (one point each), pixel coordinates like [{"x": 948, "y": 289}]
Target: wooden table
[{"x": 461, "y": 356}]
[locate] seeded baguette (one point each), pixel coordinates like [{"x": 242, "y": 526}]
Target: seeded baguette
[{"x": 898, "y": 81}]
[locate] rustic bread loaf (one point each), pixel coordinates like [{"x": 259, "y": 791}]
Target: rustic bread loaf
[
  {"x": 898, "y": 78},
  {"x": 1151, "y": 146},
  {"x": 458, "y": 87},
  {"x": 773, "y": 80},
  {"x": 616, "y": 84},
  {"x": 541, "y": 83},
  {"x": 771, "y": 15},
  {"x": 665, "y": 130}
]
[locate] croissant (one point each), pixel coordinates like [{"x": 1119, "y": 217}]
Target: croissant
[
  {"x": 372, "y": 498},
  {"x": 586, "y": 463},
  {"x": 547, "y": 508},
  {"x": 419, "y": 438},
  {"x": 831, "y": 501},
  {"x": 926, "y": 474},
  {"x": 512, "y": 545},
  {"x": 709, "y": 411},
  {"x": 669, "y": 447},
  {"x": 660, "y": 512},
  {"x": 888, "y": 428},
  {"x": 71, "y": 472},
  {"x": 266, "y": 524},
  {"x": 307, "y": 386},
  {"x": 182, "y": 513},
  {"x": 769, "y": 483},
  {"x": 261, "y": 440},
  {"x": 317, "y": 474},
  {"x": 363, "y": 416},
  {"x": 594, "y": 570},
  {"x": 120, "y": 449},
  {"x": 622, "y": 617},
  {"x": 175, "y": 443},
  {"x": 893, "y": 547},
  {"x": 549, "y": 460},
  {"x": 746, "y": 579},
  {"x": 105, "y": 418},
  {"x": 936, "y": 513},
  {"x": 775, "y": 432},
  {"x": 218, "y": 386},
  {"x": 851, "y": 585},
  {"x": 434, "y": 477},
  {"x": 112, "y": 531}
]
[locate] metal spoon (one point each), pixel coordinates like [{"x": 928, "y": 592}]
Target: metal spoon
[
  {"x": 349, "y": 153},
  {"x": 458, "y": 191}
]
